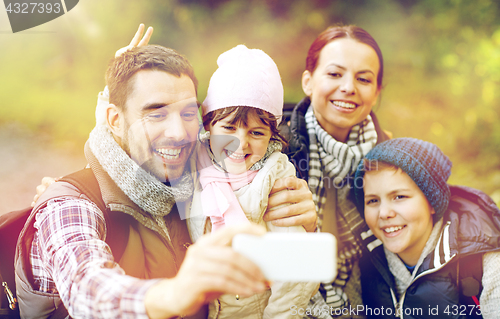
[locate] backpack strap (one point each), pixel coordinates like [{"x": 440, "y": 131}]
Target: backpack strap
[
  {"x": 469, "y": 281},
  {"x": 470, "y": 270},
  {"x": 11, "y": 224},
  {"x": 117, "y": 223},
  {"x": 86, "y": 182}
]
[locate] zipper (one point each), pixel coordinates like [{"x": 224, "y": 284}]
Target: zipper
[
  {"x": 217, "y": 309},
  {"x": 165, "y": 236},
  {"x": 427, "y": 272},
  {"x": 424, "y": 273},
  {"x": 396, "y": 304},
  {"x": 10, "y": 296}
]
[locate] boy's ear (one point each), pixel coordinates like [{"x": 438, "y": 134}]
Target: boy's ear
[
  {"x": 306, "y": 82},
  {"x": 115, "y": 119}
]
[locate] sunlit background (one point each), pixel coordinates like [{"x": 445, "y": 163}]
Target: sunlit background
[{"x": 441, "y": 84}]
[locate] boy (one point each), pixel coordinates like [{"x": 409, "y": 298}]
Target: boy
[{"x": 425, "y": 227}]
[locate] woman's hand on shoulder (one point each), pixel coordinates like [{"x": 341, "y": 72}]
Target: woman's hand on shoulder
[{"x": 40, "y": 189}]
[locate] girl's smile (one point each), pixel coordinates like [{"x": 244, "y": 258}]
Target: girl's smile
[{"x": 236, "y": 146}]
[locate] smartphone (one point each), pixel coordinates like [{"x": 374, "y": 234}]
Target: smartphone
[{"x": 291, "y": 257}]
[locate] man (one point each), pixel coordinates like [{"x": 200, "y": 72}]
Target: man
[{"x": 141, "y": 162}]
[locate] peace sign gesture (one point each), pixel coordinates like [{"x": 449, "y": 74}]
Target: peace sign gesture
[{"x": 136, "y": 40}]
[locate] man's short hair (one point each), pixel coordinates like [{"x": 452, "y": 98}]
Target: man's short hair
[{"x": 150, "y": 57}]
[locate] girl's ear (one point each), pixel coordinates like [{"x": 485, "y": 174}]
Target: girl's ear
[
  {"x": 306, "y": 82},
  {"x": 206, "y": 127}
]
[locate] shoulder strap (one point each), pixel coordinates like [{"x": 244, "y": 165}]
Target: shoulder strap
[
  {"x": 117, "y": 224},
  {"x": 11, "y": 224},
  {"x": 86, "y": 182},
  {"x": 470, "y": 274},
  {"x": 470, "y": 270}
]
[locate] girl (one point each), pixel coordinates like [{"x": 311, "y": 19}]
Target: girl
[
  {"x": 239, "y": 161},
  {"x": 332, "y": 129}
]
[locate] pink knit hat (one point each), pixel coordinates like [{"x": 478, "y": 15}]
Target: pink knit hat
[{"x": 245, "y": 77}]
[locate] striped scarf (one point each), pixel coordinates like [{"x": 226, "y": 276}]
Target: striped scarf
[
  {"x": 329, "y": 158},
  {"x": 335, "y": 159}
]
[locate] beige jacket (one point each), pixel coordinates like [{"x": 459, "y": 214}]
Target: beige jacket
[{"x": 253, "y": 198}]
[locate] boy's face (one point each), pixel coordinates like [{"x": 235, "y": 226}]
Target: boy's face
[
  {"x": 238, "y": 147},
  {"x": 398, "y": 213}
]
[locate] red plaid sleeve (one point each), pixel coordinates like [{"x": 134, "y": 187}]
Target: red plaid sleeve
[{"x": 70, "y": 257}]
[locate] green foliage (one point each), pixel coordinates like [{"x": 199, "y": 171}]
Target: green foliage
[{"x": 442, "y": 63}]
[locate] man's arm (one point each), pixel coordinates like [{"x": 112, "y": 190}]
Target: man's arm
[
  {"x": 80, "y": 265},
  {"x": 301, "y": 210},
  {"x": 211, "y": 268},
  {"x": 70, "y": 255}
]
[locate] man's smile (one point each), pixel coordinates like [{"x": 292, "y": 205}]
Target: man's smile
[{"x": 169, "y": 153}]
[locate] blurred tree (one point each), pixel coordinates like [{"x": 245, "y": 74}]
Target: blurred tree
[{"x": 442, "y": 63}]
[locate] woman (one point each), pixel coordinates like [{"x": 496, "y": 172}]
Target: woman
[{"x": 331, "y": 130}]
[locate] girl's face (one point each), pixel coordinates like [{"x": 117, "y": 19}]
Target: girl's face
[
  {"x": 398, "y": 213},
  {"x": 237, "y": 147},
  {"x": 343, "y": 88}
]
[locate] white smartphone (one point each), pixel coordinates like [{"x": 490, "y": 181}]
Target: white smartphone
[{"x": 291, "y": 257}]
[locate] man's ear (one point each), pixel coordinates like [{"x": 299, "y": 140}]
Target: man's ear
[
  {"x": 306, "y": 82},
  {"x": 115, "y": 119}
]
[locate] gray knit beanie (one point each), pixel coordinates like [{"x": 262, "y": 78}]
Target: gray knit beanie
[{"x": 424, "y": 162}]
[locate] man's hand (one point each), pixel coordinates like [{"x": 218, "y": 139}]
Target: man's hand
[
  {"x": 301, "y": 210},
  {"x": 211, "y": 268},
  {"x": 136, "y": 40}
]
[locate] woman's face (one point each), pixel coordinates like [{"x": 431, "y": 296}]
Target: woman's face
[{"x": 343, "y": 88}]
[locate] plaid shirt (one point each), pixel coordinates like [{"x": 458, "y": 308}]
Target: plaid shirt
[{"x": 70, "y": 257}]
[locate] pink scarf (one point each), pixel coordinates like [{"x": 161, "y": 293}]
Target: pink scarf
[{"x": 218, "y": 198}]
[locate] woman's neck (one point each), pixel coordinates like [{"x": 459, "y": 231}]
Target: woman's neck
[{"x": 339, "y": 134}]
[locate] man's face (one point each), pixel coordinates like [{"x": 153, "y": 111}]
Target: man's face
[{"x": 161, "y": 123}]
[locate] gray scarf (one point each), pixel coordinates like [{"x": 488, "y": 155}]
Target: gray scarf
[
  {"x": 401, "y": 274},
  {"x": 336, "y": 160},
  {"x": 141, "y": 187}
]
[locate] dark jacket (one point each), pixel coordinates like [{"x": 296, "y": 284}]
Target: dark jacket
[
  {"x": 471, "y": 227},
  {"x": 298, "y": 148}
]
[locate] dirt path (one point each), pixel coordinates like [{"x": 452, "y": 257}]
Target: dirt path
[{"x": 24, "y": 159}]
